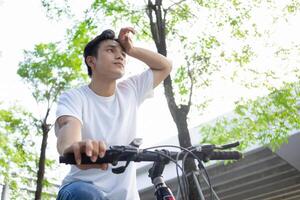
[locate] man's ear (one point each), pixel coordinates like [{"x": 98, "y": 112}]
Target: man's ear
[{"x": 91, "y": 61}]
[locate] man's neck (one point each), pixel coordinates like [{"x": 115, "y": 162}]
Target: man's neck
[{"x": 103, "y": 87}]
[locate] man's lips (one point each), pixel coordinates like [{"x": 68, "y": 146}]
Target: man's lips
[{"x": 118, "y": 63}]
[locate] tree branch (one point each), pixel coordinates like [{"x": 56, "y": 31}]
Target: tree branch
[
  {"x": 177, "y": 3},
  {"x": 191, "y": 87},
  {"x": 170, "y": 96},
  {"x": 46, "y": 116}
]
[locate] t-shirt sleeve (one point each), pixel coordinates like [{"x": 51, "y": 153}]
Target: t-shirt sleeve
[
  {"x": 142, "y": 85},
  {"x": 70, "y": 103}
]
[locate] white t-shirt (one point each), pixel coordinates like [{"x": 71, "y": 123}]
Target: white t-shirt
[{"x": 112, "y": 120}]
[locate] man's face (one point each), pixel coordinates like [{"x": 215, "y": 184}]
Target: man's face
[{"x": 110, "y": 61}]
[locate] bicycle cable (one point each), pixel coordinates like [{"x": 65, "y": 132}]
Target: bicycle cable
[{"x": 196, "y": 157}]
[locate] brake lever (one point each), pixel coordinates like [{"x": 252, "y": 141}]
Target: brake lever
[
  {"x": 130, "y": 149},
  {"x": 211, "y": 147},
  {"x": 204, "y": 148},
  {"x": 231, "y": 145}
]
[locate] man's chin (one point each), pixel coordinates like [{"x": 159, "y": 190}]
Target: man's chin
[{"x": 120, "y": 75}]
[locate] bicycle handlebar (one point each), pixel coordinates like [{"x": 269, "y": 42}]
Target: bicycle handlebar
[
  {"x": 159, "y": 157},
  {"x": 125, "y": 153}
]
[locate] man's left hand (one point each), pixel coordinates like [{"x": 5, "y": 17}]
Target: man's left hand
[{"x": 125, "y": 39}]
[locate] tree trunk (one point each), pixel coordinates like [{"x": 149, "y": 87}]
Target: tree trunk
[
  {"x": 179, "y": 114},
  {"x": 41, "y": 170},
  {"x": 185, "y": 141},
  {"x": 4, "y": 193}
]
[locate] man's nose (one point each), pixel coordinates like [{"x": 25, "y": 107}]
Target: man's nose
[{"x": 120, "y": 56}]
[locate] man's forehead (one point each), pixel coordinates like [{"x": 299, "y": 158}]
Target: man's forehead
[{"x": 112, "y": 43}]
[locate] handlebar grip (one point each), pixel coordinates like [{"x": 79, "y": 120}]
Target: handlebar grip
[
  {"x": 225, "y": 155},
  {"x": 70, "y": 159}
]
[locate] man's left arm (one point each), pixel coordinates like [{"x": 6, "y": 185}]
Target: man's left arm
[{"x": 158, "y": 63}]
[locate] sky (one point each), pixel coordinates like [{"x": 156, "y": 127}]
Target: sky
[{"x": 24, "y": 23}]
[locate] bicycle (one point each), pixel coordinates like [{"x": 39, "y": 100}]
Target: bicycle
[{"x": 161, "y": 157}]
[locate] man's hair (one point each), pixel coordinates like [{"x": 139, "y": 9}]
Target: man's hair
[{"x": 92, "y": 47}]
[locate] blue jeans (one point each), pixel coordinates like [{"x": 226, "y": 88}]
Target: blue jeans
[{"x": 80, "y": 190}]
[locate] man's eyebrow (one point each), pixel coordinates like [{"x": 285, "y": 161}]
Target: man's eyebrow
[
  {"x": 112, "y": 45},
  {"x": 115, "y": 46}
]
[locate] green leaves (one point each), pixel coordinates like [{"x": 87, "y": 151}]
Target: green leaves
[
  {"x": 122, "y": 12},
  {"x": 111, "y": 7},
  {"x": 16, "y": 154},
  {"x": 181, "y": 80},
  {"x": 48, "y": 71},
  {"x": 267, "y": 121},
  {"x": 243, "y": 57},
  {"x": 178, "y": 14},
  {"x": 56, "y": 11},
  {"x": 208, "y": 3},
  {"x": 293, "y": 6}
]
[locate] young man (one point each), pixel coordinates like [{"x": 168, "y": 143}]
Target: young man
[{"x": 103, "y": 113}]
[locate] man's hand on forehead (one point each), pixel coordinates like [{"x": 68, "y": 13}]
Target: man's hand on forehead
[
  {"x": 125, "y": 39},
  {"x": 124, "y": 32}
]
